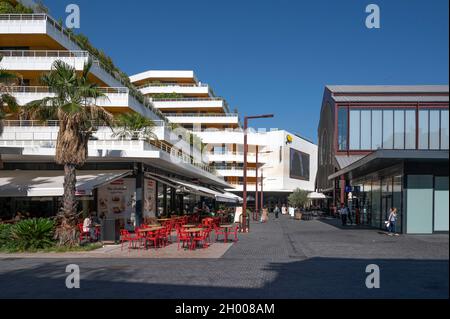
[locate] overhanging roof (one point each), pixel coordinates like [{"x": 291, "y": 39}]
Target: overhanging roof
[
  {"x": 50, "y": 183},
  {"x": 392, "y": 156}
]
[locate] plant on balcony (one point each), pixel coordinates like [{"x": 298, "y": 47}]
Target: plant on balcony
[
  {"x": 167, "y": 96},
  {"x": 8, "y": 7},
  {"x": 134, "y": 126},
  {"x": 74, "y": 107}
]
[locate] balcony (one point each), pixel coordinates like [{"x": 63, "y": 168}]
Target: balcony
[
  {"x": 235, "y": 171},
  {"x": 203, "y": 118},
  {"x": 189, "y": 103},
  {"x": 39, "y": 24},
  {"x": 235, "y": 157},
  {"x": 39, "y": 136},
  {"x": 180, "y": 88},
  {"x": 114, "y": 97},
  {"x": 43, "y": 60}
]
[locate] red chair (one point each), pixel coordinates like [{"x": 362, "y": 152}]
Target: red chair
[
  {"x": 235, "y": 232},
  {"x": 83, "y": 234},
  {"x": 219, "y": 231},
  {"x": 126, "y": 237},
  {"x": 153, "y": 236},
  {"x": 182, "y": 237},
  {"x": 201, "y": 238}
]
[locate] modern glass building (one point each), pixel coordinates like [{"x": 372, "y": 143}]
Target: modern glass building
[{"x": 387, "y": 146}]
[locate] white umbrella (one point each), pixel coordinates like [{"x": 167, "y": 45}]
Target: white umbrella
[{"x": 315, "y": 195}]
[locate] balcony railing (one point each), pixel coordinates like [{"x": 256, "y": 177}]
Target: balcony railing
[
  {"x": 37, "y": 17},
  {"x": 186, "y": 99},
  {"x": 149, "y": 85},
  {"x": 51, "y": 123},
  {"x": 201, "y": 115},
  {"x": 44, "y": 54},
  {"x": 45, "y": 89},
  {"x": 14, "y": 138}
]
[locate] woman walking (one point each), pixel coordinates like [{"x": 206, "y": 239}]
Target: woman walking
[{"x": 392, "y": 220}]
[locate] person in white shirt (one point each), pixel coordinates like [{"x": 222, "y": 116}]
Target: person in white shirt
[{"x": 87, "y": 227}]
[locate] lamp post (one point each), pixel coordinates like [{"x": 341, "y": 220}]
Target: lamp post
[
  {"x": 244, "y": 226},
  {"x": 258, "y": 206}
]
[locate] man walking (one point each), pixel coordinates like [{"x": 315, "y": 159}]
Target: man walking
[
  {"x": 344, "y": 214},
  {"x": 276, "y": 211}
]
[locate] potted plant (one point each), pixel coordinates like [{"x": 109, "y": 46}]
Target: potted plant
[{"x": 298, "y": 199}]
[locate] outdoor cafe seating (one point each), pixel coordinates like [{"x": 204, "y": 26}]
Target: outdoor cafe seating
[{"x": 191, "y": 233}]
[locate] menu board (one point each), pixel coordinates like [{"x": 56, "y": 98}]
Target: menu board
[
  {"x": 117, "y": 200},
  {"x": 149, "y": 198}
]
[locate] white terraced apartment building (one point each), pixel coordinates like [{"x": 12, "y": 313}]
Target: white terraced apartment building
[
  {"x": 184, "y": 100},
  {"x": 161, "y": 171}
]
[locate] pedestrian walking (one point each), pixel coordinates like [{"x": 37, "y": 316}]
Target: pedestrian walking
[
  {"x": 344, "y": 214},
  {"x": 392, "y": 221},
  {"x": 276, "y": 211}
]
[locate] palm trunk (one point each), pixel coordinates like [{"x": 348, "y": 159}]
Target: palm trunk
[{"x": 66, "y": 232}]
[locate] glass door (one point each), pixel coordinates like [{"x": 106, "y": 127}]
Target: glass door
[{"x": 386, "y": 205}]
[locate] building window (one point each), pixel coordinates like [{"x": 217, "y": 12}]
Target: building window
[
  {"x": 410, "y": 129},
  {"x": 423, "y": 129},
  {"x": 366, "y": 128},
  {"x": 444, "y": 129},
  {"x": 435, "y": 119},
  {"x": 377, "y": 129},
  {"x": 342, "y": 129},
  {"x": 388, "y": 129},
  {"x": 355, "y": 130},
  {"x": 399, "y": 129}
]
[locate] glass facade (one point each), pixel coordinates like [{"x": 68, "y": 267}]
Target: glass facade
[
  {"x": 365, "y": 130},
  {"x": 377, "y": 196},
  {"x": 342, "y": 128}
]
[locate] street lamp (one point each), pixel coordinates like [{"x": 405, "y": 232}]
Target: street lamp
[
  {"x": 257, "y": 207},
  {"x": 244, "y": 226}
]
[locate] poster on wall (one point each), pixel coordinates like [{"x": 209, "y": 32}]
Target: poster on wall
[
  {"x": 149, "y": 198},
  {"x": 117, "y": 200},
  {"x": 299, "y": 165}
]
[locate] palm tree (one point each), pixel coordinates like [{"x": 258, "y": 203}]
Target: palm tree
[
  {"x": 8, "y": 104},
  {"x": 73, "y": 105},
  {"x": 134, "y": 126}
]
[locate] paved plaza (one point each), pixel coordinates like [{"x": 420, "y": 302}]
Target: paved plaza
[{"x": 280, "y": 259}]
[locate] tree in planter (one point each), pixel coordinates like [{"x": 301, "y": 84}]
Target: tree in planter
[
  {"x": 74, "y": 107},
  {"x": 298, "y": 199},
  {"x": 134, "y": 126}
]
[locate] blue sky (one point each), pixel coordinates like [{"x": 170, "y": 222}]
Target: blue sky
[{"x": 273, "y": 56}]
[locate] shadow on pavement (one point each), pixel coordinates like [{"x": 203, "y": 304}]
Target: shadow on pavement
[{"x": 311, "y": 278}]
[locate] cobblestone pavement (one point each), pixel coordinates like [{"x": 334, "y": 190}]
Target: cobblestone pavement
[{"x": 280, "y": 259}]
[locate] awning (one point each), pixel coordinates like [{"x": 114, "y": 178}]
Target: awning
[
  {"x": 20, "y": 183},
  {"x": 195, "y": 188},
  {"x": 315, "y": 195}
]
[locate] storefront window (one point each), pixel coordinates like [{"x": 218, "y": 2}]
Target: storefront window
[
  {"x": 397, "y": 200},
  {"x": 342, "y": 129},
  {"x": 377, "y": 129},
  {"x": 376, "y": 203}
]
